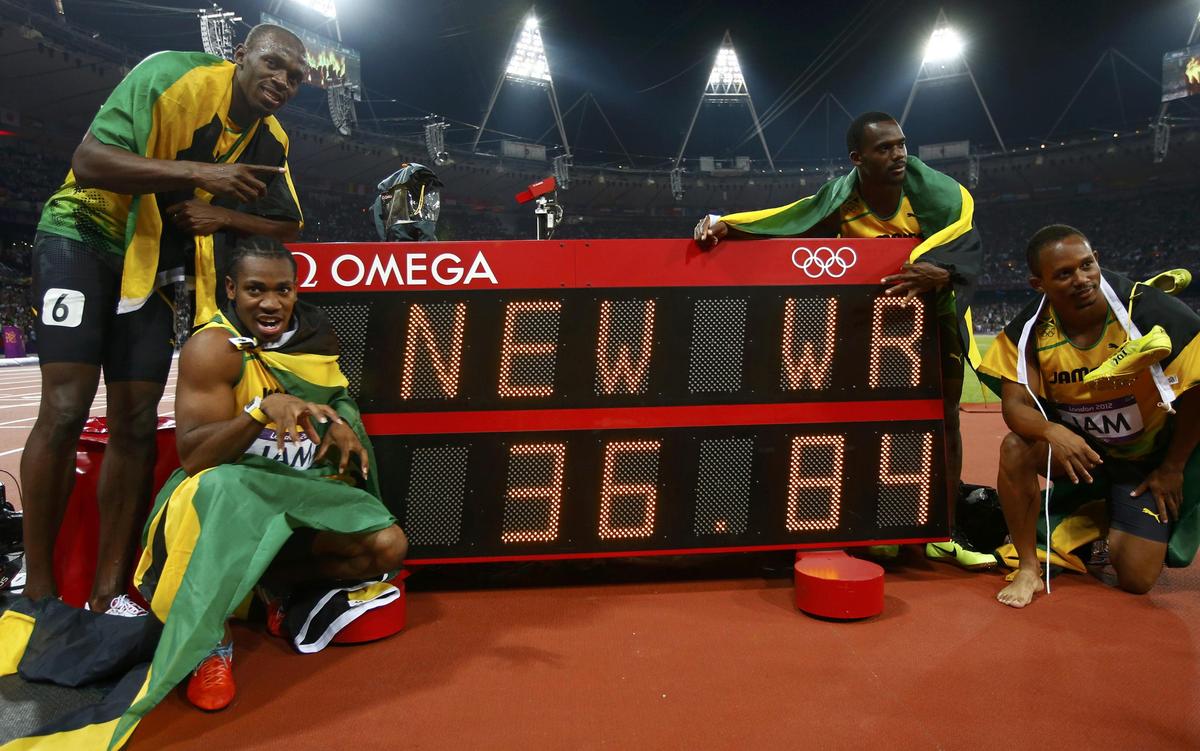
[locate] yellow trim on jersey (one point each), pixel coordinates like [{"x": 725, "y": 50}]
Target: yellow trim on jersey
[{"x": 961, "y": 226}]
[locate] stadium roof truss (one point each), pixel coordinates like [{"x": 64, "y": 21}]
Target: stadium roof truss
[
  {"x": 726, "y": 85},
  {"x": 527, "y": 64}
]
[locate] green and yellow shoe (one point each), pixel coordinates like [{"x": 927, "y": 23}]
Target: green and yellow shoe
[
  {"x": 1172, "y": 282},
  {"x": 1134, "y": 356},
  {"x": 884, "y": 553},
  {"x": 954, "y": 552}
]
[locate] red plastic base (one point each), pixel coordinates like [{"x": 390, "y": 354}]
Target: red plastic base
[
  {"x": 831, "y": 584},
  {"x": 378, "y": 623}
]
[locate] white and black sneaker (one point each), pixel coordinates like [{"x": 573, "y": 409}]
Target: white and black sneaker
[{"x": 122, "y": 606}]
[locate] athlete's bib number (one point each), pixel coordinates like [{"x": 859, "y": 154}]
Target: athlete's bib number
[{"x": 62, "y": 307}]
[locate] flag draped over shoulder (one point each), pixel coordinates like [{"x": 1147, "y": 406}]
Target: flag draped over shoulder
[
  {"x": 1071, "y": 507},
  {"x": 944, "y": 209},
  {"x": 209, "y": 539}
]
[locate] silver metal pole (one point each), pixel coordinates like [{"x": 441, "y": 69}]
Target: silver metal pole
[
  {"x": 758, "y": 127},
  {"x": 986, "y": 111},
  {"x": 688, "y": 135}
]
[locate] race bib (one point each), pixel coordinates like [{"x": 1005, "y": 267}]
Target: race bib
[
  {"x": 62, "y": 307},
  {"x": 1114, "y": 421},
  {"x": 295, "y": 455}
]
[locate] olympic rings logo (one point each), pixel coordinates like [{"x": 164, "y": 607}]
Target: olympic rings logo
[{"x": 825, "y": 261}]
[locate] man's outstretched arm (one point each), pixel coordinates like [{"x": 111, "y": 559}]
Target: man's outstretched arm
[
  {"x": 708, "y": 232},
  {"x": 98, "y": 165}
]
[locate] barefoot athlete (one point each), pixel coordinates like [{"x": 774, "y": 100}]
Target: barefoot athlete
[
  {"x": 891, "y": 194},
  {"x": 185, "y": 146},
  {"x": 1106, "y": 358},
  {"x": 277, "y": 488}
]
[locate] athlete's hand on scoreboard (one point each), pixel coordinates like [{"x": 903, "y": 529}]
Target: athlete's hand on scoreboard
[
  {"x": 292, "y": 414},
  {"x": 197, "y": 217},
  {"x": 709, "y": 231},
  {"x": 916, "y": 278},
  {"x": 344, "y": 440},
  {"x": 1071, "y": 453},
  {"x": 240, "y": 181}
]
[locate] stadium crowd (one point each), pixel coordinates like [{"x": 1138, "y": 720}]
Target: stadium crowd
[{"x": 1138, "y": 234}]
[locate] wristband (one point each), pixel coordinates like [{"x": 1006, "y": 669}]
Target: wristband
[{"x": 255, "y": 410}]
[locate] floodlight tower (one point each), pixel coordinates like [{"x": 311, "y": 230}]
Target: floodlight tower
[
  {"x": 527, "y": 64},
  {"x": 944, "y": 61},
  {"x": 726, "y": 85}
]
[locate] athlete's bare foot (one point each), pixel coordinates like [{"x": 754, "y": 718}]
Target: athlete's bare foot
[{"x": 1021, "y": 589}]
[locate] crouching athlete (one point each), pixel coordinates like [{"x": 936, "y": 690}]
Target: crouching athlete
[
  {"x": 1112, "y": 364},
  {"x": 270, "y": 443}
]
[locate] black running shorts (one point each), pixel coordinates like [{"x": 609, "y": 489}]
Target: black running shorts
[
  {"x": 1135, "y": 516},
  {"x": 75, "y": 295}
]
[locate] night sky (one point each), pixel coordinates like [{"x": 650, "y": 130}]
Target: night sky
[{"x": 647, "y": 62}]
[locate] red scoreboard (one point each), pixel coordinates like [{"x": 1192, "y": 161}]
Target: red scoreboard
[{"x": 621, "y": 397}]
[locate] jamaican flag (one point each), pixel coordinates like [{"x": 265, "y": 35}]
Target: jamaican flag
[
  {"x": 209, "y": 539},
  {"x": 1136, "y": 308},
  {"x": 944, "y": 209}
]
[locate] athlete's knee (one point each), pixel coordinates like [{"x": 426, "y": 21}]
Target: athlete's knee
[
  {"x": 388, "y": 549},
  {"x": 1137, "y": 581},
  {"x": 62, "y": 417},
  {"x": 1016, "y": 454},
  {"x": 135, "y": 425},
  {"x": 1134, "y": 576}
]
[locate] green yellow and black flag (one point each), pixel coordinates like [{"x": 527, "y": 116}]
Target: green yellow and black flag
[
  {"x": 944, "y": 209},
  {"x": 209, "y": 539}
]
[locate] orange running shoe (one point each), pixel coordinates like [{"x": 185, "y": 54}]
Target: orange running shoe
[
  {"x": 275, "y": 618},
  {"x": 211, "y": 686}
]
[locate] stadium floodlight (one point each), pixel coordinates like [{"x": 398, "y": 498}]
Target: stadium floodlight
[
  {"x": 726, "y": 76},
  {"x": 945, "y": 45},
  {"x": 726, "y": 85},
  {"x": 528, "y": 63},
  {"x": 325, "y": 7},
  {"x": 945, "y": 60}
]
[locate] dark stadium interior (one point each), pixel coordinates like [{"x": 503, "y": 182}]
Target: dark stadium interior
[{"x": 489, "y": 655}]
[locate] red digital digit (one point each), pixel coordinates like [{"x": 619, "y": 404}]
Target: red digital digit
[
  {"x": 814, "y": 500},
  {"x": 621, "y": 374},
  {"x": 920, "y": 479},
  {"x": 533, "y": 497},
  {"x": 907, "y": 344},
  {"x": 630, "y": 481},
  {"x": 511, "y": 348},
  {"x": 446, "y": 364},
  {"x": 806, "y": 364}
]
